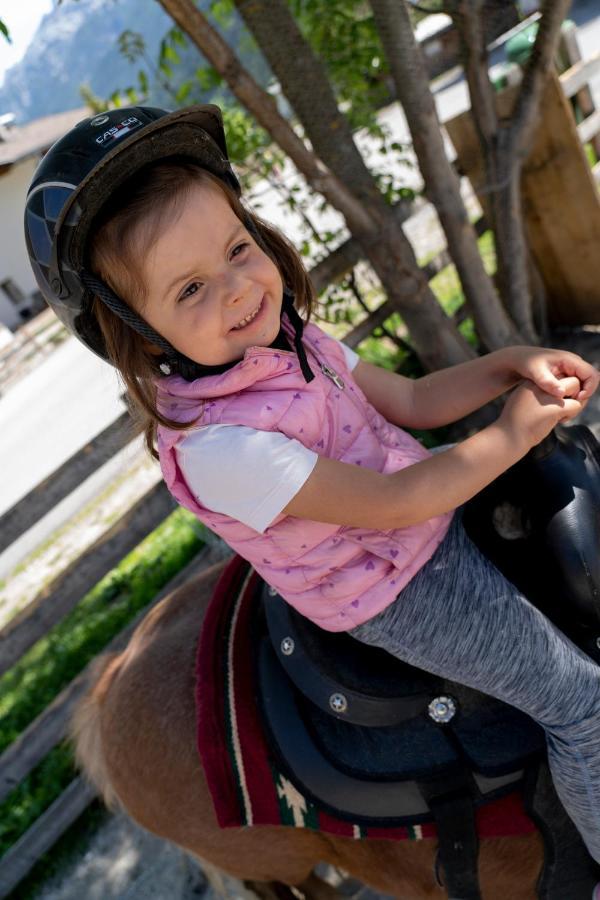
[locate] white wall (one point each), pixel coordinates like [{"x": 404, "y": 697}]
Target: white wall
[{"x": 14, "y": 262}]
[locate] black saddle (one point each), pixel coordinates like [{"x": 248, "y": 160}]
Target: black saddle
[{"x": 378, "y": 742}]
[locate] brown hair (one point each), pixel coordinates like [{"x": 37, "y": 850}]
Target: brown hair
[{"x": 123, "y": 237}]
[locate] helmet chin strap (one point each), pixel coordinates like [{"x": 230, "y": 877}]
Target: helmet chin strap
[
  {"x": 297, "y": 324},
  {"x": 174, "y": 363}
]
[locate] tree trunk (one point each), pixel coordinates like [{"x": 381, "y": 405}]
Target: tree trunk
[
  {"x": 441, "y": 182},
  {"x": 511, "y": 242}
]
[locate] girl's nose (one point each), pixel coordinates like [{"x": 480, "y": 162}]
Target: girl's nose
[{"x": 233, "y": 287}]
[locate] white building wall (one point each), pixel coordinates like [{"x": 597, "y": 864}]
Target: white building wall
[{"x": 14, "y": 262}]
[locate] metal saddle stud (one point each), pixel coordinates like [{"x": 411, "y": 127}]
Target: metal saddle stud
[{"x": 442, "y": 710}]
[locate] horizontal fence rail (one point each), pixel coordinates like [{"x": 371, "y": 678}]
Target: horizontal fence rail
[
  {"x": 64, "y": 593},
  {"x": 49, "y": 492}
]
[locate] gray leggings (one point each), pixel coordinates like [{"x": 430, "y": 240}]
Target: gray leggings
[{"x": 461, "y": 619}]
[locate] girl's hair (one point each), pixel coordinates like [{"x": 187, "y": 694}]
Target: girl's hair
[{"x": 124, "y": 235}]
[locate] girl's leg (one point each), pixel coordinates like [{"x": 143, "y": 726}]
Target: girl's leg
[{"x": 462, "y": 620}]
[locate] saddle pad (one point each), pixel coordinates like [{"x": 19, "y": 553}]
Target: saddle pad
[{"x": 246, "y": 786}]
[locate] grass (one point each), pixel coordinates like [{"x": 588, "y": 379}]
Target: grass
[
  {"x": 28, "y": 688},
  {"x": 590, "y": 154}
]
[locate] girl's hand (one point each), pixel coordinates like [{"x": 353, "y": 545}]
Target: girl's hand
[
  {"x": 530, "y": 412},
  {"x": 548, "y": 369}
]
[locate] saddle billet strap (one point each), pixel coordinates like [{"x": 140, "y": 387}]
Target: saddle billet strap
[
  {"x": 568, "y": 869},
  {"x": 450, "y": 799}
]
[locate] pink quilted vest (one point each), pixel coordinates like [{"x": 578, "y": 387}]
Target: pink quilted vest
[{"x": 338, "y": 576}]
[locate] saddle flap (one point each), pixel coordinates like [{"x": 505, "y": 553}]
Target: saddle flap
[
  {"x": 565, "y": 506},
  {"x": 539, "y": 523}
]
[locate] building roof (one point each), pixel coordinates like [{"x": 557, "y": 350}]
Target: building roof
[{"x": 18, "y": 142}]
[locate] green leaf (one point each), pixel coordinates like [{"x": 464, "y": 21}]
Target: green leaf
[
  {"x": 131, "y": 45},
  {"x": 183, "y": 92},
  {"x": 208, "y": 78},
  {"x": 176, "y": 36},
  {"x": 171, "y": 54},
  {"x": 4, "y": 31},
  {"x": 222, "y": 12}
]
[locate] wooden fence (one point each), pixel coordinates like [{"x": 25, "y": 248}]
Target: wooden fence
[{"x": 56, "y": 600}]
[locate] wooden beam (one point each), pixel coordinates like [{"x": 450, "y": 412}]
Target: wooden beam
[
  {"x": 52, "y": 824},
  {"x": 569, "y": 47},
  {"x": 561, "y": 203},
  {"x": 578, "y": 76},
  {"x": 49, "y": 492},
  {"x": 55, "y": 601},
  {"x": 589, "y": 128}
]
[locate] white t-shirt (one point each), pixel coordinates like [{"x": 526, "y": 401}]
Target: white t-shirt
[{"x": 245, "y": 473}]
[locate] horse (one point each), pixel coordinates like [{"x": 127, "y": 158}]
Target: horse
[{"x": 135, "y": 739}]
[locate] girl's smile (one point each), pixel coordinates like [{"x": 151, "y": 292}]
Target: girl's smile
[
  {"x": 212, "y": 292},
  {"x": 251, "y": 318}
]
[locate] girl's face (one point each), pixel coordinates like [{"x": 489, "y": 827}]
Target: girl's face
[{"x": 211, "y": 291}]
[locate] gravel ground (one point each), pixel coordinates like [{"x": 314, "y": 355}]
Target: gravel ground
[{"x": 124, "y": 862}]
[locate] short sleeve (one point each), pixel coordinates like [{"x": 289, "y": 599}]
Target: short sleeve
[
  {"x": 244, "y": 473},
  {"x": 351, "y": 356}
]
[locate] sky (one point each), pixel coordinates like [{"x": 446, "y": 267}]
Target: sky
[{"x": 22, "y": 18}]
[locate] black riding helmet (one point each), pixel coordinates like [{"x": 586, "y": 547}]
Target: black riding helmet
[{"x": 74, "y": 183}]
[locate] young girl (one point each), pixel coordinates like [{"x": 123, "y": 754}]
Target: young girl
[{"x": 286, "y": 444}]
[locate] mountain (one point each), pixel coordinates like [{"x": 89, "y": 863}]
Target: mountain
[{"x": 76, "y": 44}]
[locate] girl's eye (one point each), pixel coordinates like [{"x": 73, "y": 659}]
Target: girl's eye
[
  {"x": 191, "y": 289},
  {"x": 240, "y": 247}
]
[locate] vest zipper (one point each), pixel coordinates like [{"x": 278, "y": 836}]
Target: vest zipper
[{"x": 337, "y": 379}]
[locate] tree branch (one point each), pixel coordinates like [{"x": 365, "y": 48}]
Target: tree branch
[
  {"x": 442, "y": 185},
  {"x": 466, "y": 15},
  {"x": 526, "y": 109}
]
